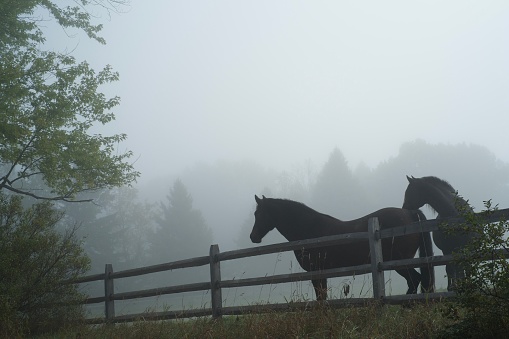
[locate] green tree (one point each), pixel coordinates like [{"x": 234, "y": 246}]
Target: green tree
[
  {"x": 48, "y": 104},
  {"x": 34, "y": 260},
  {"x": 182, "y": 232}
]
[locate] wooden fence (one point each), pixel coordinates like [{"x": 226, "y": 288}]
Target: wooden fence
[{"x": 377, "y": 267}]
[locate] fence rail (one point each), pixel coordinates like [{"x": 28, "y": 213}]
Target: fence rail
[{"x": 377, "y": 267}]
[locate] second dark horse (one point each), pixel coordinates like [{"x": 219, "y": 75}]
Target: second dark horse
[
  {"x": 444, "y": 200},
  {"x": 296, "y": 221}
]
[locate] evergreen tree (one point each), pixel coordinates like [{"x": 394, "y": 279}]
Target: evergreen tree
[{"x": 182, "y": 232}]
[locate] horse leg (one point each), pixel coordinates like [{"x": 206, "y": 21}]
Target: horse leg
[
  {"x": 454, "y": 274},
  {"x": 440, "y": 239},
  {"x": 413, "y": 279},
  {"x": 320, "y": 286},
  {"x": 453, "y": 270},
  {"x": 451, "y": 276},
  {"x": 427, "y": 272}
]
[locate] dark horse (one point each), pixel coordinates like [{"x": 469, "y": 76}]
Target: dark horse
[
  {"x": 444, "y": 200},
  {"x": 296, "y": 221}
]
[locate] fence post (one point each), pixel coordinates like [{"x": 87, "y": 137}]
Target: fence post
[
  {"x": 375, "y": 248},
  {"x": 215, "y": 281},
  {"x": 109, "y": 303}
]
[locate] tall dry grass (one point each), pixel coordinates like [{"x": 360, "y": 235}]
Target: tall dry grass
[{"x": 370, "y": 321}]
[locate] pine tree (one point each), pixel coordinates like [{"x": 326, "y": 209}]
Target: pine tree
[{"x": 182, "y": 232}]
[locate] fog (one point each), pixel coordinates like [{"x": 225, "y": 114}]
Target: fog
[
  {"x": 243, "y": 98},
  {"x": 283, "y": 82}
]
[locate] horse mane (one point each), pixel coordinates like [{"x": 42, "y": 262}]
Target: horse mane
[
  {"x": 444, "y": 186},
  {"x": 292, "y": 205},
  {"x": 295, "y": 207},
  {"x": 439, "y": 183}
]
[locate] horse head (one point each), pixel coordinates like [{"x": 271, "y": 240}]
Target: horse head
[
  {"x": 264, "y": 223},
  {"x": 413, "y": 194}
]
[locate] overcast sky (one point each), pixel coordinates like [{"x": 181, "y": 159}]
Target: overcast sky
[{"x": 282, "y": 82}]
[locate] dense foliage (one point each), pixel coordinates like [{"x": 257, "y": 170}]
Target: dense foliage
[
  {"x": 35, "y": 260},
  {"x": 48, "y": 104},
  {"x": 484, "y": 294}
]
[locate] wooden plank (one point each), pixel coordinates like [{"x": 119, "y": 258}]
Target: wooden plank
[
  {"x": 268, "y": 308},
  {"x": 375, "y": 248},
  {"x": 301, "y": 276},
  {"x": 499, "y": 215},
  {"x": 416, "y": 227},
  {"x": 283, "y": 278},
  {"x": 422, "y": 297},
  {"x": 88, "y": 278},
  {"x": 215, "y": 282},
  {"x": 294, "y": 245},
  {"x": 95, "y": 300},
  {"x": 433, "y": 224},
  {"x": 192, "y": 262},
  {"x": 162, "y": 290},
  {"x": 151, "y": 316},
  {"x": 416, "y": 262}
]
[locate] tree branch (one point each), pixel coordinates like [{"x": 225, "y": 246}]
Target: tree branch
[
  {"x": 60, "y": 198},
  {"x": 16, "y": 162}
]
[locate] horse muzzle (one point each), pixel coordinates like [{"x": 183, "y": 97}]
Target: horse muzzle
[{"x": 255, "y": 238}]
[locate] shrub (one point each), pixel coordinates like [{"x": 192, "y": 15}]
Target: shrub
[
  {"x": 484, "y": 293},
  {"x": 34, "y": 260}
]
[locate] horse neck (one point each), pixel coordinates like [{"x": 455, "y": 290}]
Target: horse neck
[
  {"x": 291, "y": 228},
  {"x": 443, "y": 202},
  {"x": 298, "y": 227}
]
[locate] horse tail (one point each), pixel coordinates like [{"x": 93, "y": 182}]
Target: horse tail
[{"x": 426, "y": 250}]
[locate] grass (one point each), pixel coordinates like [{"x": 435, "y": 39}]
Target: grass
[{"x": 370, "y": 321}]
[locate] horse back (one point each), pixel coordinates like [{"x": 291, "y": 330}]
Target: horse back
[
  {"x": 393, "y": 217},
  {"x": 387, "y": 218},
  {"x": 357, "y": 253}
]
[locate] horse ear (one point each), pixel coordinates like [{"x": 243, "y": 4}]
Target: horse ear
[
  {"x": 258, "y": 200},
  {"x": 411, "y": 179},
  {"x": 263, "y": 197}
]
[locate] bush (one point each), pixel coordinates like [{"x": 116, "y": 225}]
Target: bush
[
  {"x": 35, "y": 259},
  {"x": 484, "y": 293}
]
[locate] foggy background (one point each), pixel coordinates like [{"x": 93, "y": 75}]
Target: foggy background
[{"x": 329, "y": 103}]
